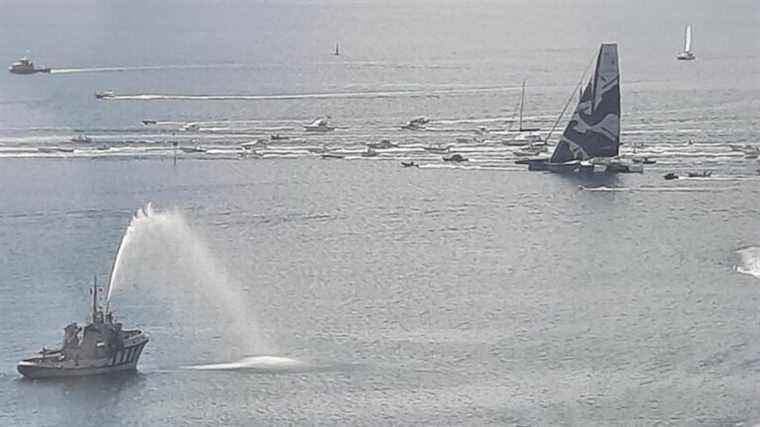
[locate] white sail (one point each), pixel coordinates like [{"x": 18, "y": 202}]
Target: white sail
[{"x": 687, "y": 39}]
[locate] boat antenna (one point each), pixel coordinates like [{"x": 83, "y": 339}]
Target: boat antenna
[
  {"x": 94, "y": 296},
  {"x": 570, "y": 98}
]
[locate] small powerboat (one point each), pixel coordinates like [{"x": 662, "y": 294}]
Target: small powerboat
[
  {"x": 26, "y": 66},
  {"x": 82, "y": 139},
  {"x": 196, "y": 149},
  {"x": 277, "y": 137},
  {"x": 416, "y": 123},
  {"x": 259, "y": 143},
  {"x": 149, "y": 122},
  {"x": 319, "y": 125},
  {"x": 456, "y": 158},
  {"x": 105, "y": 94},
  {"x": 332, "y": 156},
  {"x": 384, "y": 144},
  {"x": 410, "y": 164},
  {"x": 670, "y": 176},
  {"x": 370, "y": 153},
  {"x": 700, "y": 174},
  {"x": 437, "y": 149},
  {"x": 644, "y": 160}
]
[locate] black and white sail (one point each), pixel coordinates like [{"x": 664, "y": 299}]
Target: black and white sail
[{"x": 594, "y": 128}]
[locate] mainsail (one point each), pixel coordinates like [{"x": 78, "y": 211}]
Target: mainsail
[
  {"x": 594, "y": 128},
  {"x": 687, "y": 39}
]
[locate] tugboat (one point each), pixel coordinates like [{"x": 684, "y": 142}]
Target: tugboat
[
  {"x": 26, "y": 66},
  {"x": 103, "y": 348}
]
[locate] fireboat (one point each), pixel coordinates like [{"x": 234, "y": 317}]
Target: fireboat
[{"x": 103, "y": 348}]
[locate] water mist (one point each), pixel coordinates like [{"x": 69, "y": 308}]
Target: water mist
[{"x": 161, "y": 253}]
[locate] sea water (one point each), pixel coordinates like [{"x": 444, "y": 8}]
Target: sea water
[{"x": 449, "y": 294}]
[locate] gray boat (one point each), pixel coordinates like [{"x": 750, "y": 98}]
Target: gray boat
[{"x": 104, "y": 348}]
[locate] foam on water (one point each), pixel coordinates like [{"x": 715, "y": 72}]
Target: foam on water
[
  {"x": 258, "y": 363},
  {"x": 749, "y": 261}
]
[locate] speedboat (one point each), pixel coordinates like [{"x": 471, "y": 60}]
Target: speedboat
[
  {"x": 700, "y": 174},
  {"x": 149, "y": 122},
  {"x": 319, "y": 125},
  {"x": 456, "y": 158},
  {"x": 196, "y": 149},
  {"x": 332, "y": 156},
  {"x": 26, "y": 66},
  {"x": 191, "y": 127},
  {"x": 416, "y": 123},
  {"x": 670, "y": 176},
  {"x": 384, "y": 144},
  {"x": 370, "y": 152},
  {"x": 81, "y": 138},
  {"x": 437, "y": 149},
  {"x": 644, "y": 160},
  {"x": 410, "y": 164},
  {"x": 107, "y": 94},
  {"x": 277, "y": 137},
  {"x": 259, "y": 143}
]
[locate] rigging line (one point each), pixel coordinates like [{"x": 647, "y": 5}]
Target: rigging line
[{"x": 569, "y": 99}]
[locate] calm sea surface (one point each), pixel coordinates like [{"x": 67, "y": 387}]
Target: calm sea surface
[{"x": 289, "y": 289}]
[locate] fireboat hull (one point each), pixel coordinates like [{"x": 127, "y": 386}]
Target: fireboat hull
[{"x": 50, "y": 365}]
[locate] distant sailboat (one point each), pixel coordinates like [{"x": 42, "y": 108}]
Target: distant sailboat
[
  {"x": 593, "y": 132},
  {"x": 687, "y": 54},
  {"x": 337, "y": 49}
]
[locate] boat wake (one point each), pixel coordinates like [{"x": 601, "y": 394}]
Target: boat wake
[
  {"x": 141, "y": 68},
  {"x": 655, "y": 189},
  {"x": 255, "y": 363},
  {"x": 359, "y": 94},
  {"x": 749, "y": 261}
]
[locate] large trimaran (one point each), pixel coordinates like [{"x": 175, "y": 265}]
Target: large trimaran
[{"x": 592, "y": 136}]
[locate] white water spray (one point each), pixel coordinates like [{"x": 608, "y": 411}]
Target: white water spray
[{"x": 161, "y": 253}]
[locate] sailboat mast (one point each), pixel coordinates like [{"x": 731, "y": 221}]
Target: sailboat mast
[{"x": 522, "y": 102}]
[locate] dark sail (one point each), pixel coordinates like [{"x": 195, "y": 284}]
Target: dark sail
[{"x": 594, "y": 128}]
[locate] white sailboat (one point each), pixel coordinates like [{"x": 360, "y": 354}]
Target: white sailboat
[{"x": 687, "y": 54}]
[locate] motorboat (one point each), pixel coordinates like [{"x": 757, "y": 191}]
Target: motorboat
[
  {"x": 410, "y": 164},
  {"x": 149, "y": 122},
  {"x": 332, "y": 156},
  {"x": 370, "y": 153},
  {"x": 81, "y": 139},
  {"x": 437, "y": 149},
  {"x": 105, "y": 94},
  {"x": 383, "y": 144},
  {"x": 196, "y": 149},
  {"x": 259, "y": 143},
  {"x": 104, "y": 347},
  {"x": 278, "y": 137},
  {"x": 644, "y": 160},
  {"x": 670, "y": 176},
  {"x": 417, "y": 123},
  {"x": 700, "y": 174},
  {"x": 26, "y": 66},
  {"x": 191, "y": 127},
  {"x": 319, "y": 125},
  {"x": 456, "y": 158}
]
